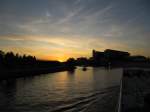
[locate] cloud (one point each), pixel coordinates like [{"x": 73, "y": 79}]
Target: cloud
[{"x": 73, "y": 26}]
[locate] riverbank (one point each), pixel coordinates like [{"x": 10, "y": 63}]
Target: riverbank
[
  {"x": 25, "y": 72},
  {"x": 15, "y": 73},
  {"x": 131, "y": 64}
]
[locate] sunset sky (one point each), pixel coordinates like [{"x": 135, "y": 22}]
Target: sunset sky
[{"x": 59, "y": 29}]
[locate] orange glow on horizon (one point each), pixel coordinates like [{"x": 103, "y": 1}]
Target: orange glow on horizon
[
  {"x": 52, "y": 58},
  {"x": 62, "y": 47}
]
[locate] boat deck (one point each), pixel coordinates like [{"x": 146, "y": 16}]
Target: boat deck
[{"x": 135, "y": 90}]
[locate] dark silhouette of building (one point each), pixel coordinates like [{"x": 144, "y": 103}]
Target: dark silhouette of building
[
  {"x": 109, "y": 56},
  {"x": 116, "y": 55},
  {"x": 98, "y": 55},
  {"x": 98, "y": 58}
]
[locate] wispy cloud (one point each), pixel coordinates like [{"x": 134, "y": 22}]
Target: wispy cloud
[{"x": 72, "y": 26}]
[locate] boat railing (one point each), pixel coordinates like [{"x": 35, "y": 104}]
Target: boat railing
[{"x": 120, "y": 96}]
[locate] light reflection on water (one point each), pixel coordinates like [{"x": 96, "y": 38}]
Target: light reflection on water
[{"x": 58, "y": 92}]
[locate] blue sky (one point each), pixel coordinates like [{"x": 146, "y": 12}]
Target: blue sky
[{"x": 58, "y": 29}]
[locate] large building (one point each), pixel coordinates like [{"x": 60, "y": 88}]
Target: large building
[
  {"x": 108, "y": 55},
  {"x": 98, "y": 58},
  {"x": 115, "y": 54},
  {"x": 98, "y": 55}
]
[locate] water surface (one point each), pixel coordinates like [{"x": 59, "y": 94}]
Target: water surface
[{"x": 77, "y": 91}]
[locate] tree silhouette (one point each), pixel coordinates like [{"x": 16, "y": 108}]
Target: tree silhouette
[
  {"x": 11, "y": 60},
  {"x": 1, "y": 58},
  {"x": 71, "y": 62}
]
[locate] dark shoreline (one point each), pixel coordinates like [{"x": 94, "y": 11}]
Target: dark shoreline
[{"x": 15, "y": 73}]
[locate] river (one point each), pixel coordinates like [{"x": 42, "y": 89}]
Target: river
[{"x": 93, "y": 90}]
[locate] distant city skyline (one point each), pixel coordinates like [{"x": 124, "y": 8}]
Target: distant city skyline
[{"x": 59, "y": 29}]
